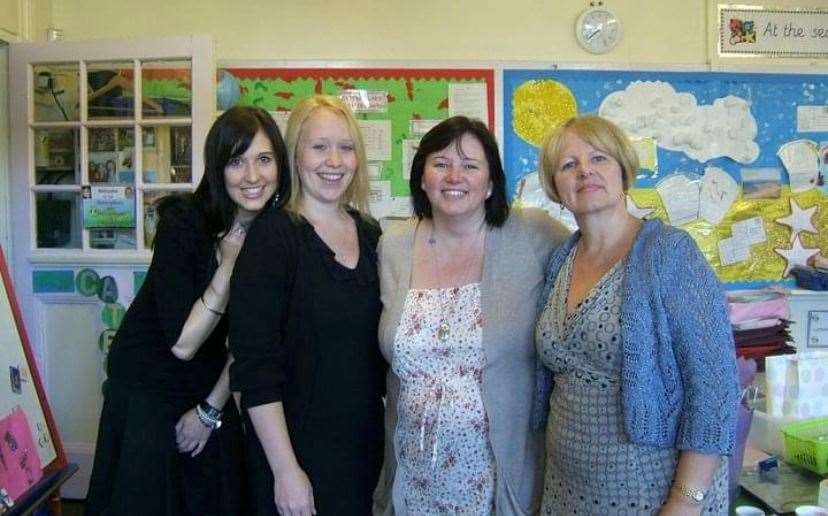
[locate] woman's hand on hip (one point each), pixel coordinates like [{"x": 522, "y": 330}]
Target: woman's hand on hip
[
  {"x": 293, "y": 493},
  {"x": 190, "y": 433}
]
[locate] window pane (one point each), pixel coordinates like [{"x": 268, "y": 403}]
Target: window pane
[
  {"x": 151, "y": 214},
  {"x": 110, "y": 90},
  {"x": 56, "y": 92},
  {"x": 167, "y": 157},
  {"x": 56, "y": 157},
  {"x": 58, "y": 220},
  {"x": 112, "y": 238},
  {"x": 167, "y": 88},
  {"x": 111, "y": 155}
]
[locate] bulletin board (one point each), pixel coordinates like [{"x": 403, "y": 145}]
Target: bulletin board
[
  {"x": 394, "y": 106},
  {"x": 25, "y": 417},
  {"x": 688, "y": 122}
]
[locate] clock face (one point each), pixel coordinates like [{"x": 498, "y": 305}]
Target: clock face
[{"x": 598, "y": 30}]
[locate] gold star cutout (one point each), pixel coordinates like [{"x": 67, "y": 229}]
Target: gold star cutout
[
  {"x": 799, "y": 219},
  {"x": 796, "y": 255}
]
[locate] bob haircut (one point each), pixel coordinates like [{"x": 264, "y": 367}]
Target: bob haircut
[
  {"x": 356, "y": 195},
  {"x": 599, "y": 133},
  {"x": 230, "y": 136},
  {"x": 450, "y": 132}
]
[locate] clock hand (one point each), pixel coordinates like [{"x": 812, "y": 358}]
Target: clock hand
[{"x": 593, "y": 33}]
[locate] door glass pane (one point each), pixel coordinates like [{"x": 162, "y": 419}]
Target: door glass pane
[
  {"x": 58, "y": 220},
  {"x": 56, "y": 157},
  {"x": 167, "y": 156},
  {"x": 112, "y": 238},
  {"x": 111, "y": 155},
  {"x": 55, "y": 92},
  {"x": 110, "y": 90},
  {"x": 167, "y": 88},
  {"x": 151, "y": 214}
]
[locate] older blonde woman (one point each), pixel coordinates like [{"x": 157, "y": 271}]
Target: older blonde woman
[
  {"x": 636, "y": 333},
  {"x": 305, "y": 298}
]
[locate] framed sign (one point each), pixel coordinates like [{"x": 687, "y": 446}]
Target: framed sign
[{"x": 755, "y": 31}]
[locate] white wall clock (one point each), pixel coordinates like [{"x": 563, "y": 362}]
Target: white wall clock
[{"x": 598, "y": 30}]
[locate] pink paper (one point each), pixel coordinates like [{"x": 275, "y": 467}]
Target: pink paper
[{"x": 19, "y": 461}]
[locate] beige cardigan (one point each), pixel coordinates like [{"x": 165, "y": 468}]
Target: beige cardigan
[{"x": 516, "y": 255}]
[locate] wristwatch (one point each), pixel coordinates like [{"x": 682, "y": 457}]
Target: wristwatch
[{"x": 693, "y": 495}]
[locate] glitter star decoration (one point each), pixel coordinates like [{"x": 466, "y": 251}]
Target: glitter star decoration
[
  {"x": 635, "y": 211},
  {"x": 796, "y": 255},
  {"x": 799, "y": 219}
]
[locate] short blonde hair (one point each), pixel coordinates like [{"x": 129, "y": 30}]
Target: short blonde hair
[
  {"x": 596, "y": 131},
  {"x": 356, "y": 195}
]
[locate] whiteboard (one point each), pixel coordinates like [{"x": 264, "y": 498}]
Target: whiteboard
[{"x": 15, "y": 355}]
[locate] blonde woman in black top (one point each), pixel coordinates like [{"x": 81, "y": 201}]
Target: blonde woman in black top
[{"x": 303, "y": 329}]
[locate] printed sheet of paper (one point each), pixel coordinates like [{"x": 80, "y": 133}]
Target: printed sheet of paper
[
  {"x": 420, "y": 127},
  {"x": 749, "y": 231},
  {"x": 718, "y": 191},
  {"x": 647, "y": 149},
  {"x": 402, "y": 207},
  {"x": 379, "y": 198},
  {"x": 469, "y": 99},
  {"x": 365, "y": 101},
  {"x": 802, "y": 163},
  {"x": 409, "y": 149},
  {"x": 374, "y": 170},
  {"x": 377, "y": 137},
  {"x": 281, "y": 118},
  {"x": 680, "y": 196},
  {"x": 732, "y": 250},
  {"x": 20, "y": 466},
  {"x": 811, "y": 119}
]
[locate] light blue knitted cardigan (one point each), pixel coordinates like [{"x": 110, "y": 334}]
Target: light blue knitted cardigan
[{"x": 679, "y": 386}]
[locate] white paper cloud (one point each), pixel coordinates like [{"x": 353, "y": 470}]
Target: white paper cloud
[{"x": 677, "y": 122}]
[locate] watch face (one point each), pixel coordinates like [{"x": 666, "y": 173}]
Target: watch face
[{"x": 598, "y": 30}]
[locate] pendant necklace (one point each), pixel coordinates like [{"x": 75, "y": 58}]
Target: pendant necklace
[{"x": 444, "y": 328}]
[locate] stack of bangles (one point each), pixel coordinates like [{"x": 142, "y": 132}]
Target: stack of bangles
[{"x": 209, "y": 415}]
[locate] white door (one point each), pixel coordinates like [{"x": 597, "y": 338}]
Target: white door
[{"x": 100, "y": 130}]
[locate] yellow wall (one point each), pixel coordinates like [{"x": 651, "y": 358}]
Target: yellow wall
[
  {"x": 682, "y": 32},
  {"x": 538, "y": 30}
]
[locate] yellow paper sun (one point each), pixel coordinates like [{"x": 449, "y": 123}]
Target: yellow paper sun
[{"x": 537, "y": 106}]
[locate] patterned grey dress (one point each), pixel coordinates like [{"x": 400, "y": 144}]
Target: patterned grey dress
[{"x": 592, "y": 468}]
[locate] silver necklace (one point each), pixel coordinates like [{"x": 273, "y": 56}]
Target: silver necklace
[{"x": 444, "y": 328}]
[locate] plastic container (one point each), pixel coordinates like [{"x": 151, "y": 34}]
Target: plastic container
[{"x": 806, "y": 444}]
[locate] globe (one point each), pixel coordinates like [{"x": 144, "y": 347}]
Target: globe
[{"x": 228, "y": 90}]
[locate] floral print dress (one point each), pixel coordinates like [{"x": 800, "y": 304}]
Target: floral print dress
[{"x": 445, "y": 459}]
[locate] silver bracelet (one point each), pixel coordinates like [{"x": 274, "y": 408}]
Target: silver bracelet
[
  {"x": 210, "y": 308},
  {"x": 206, "y": 420}
]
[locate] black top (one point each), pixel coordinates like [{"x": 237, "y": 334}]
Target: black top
[
  {"x": 183, "y": 264},
  {"x": 300, "y": 317}
]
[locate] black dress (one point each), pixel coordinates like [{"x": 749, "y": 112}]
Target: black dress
[
  {"x": 303, "y": 331},
  {"x": 137, "y": 467}
]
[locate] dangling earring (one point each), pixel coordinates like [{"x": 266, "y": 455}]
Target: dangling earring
[{"x": 275, "y": 199}]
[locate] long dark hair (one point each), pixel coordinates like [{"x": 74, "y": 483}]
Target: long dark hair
[{"x": 230, "y": 136}]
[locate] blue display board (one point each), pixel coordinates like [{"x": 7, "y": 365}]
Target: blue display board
[
  {"x": 688, "y": 122},
  {"x": 773, "y": 102}
]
